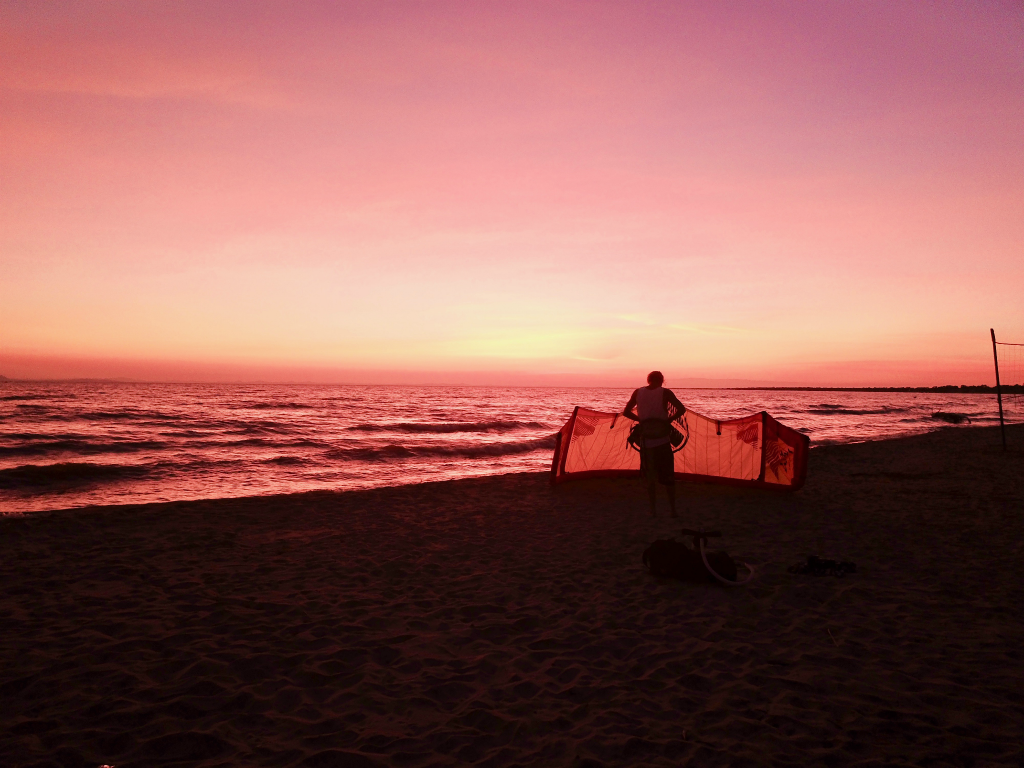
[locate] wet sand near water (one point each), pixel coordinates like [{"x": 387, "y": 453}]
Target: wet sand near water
[{"x": 499, "y": 621}]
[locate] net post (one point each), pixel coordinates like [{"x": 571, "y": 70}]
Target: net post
[{"x": 999, "y": 391}]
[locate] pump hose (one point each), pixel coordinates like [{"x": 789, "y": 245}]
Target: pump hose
[{"x": 711, "y": 570}]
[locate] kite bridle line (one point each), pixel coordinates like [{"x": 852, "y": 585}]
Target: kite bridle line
[{"x": 699, "y": 540}]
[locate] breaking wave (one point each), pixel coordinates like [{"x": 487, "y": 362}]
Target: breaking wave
[
  {"x": 67, "y": 473},
  {"x": 829, "y": 410},
  {"x": 952, "y": 418},
  {"x": 79, "y": 446},
  {"x": 265, "y": 406},
  {"x": 43, "y": 436},
  {"x": 37, "y": 478},
  {"x": 464, "y": 451},
  {"x": 450, "y": 426},
  {"x": 259, "y": 442},
  {"x": 287, "y": 461},
  {"x": 51, "y": 413},
  {"x": 263, "y": 428},
  {"x": 128, "y": 415},
  {"x": 46, "y": 447}
]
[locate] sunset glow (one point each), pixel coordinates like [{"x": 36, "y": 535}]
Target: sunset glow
[{"x": 819, "y": 194}]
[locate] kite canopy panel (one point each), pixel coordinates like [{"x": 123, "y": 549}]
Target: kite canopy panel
[{"x": 755, "y": 451}]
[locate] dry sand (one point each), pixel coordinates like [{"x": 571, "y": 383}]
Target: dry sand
[{"x": 500, "y": 621}]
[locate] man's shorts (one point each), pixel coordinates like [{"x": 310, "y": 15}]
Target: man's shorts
[{"x": 658, "y": 463}]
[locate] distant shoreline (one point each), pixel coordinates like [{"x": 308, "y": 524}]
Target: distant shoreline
[{"x": 962, "y": 389}]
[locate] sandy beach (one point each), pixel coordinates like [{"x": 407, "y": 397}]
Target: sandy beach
[{"x": 501, "y": 621}]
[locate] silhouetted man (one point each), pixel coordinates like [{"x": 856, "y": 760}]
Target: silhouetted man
[{"x": 656, "y": 460}]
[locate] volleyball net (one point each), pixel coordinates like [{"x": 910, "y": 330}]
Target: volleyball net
[
  {"x": 1011, "y": 375},
  {"x": 1009, "y": 367}
]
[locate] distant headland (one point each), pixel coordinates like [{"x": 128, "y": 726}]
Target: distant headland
[{"x": 965, "y": 389}]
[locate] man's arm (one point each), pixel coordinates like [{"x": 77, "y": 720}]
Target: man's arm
[
  {"x": 628, "y": 412},
  {"x": 670, "y": 396}
]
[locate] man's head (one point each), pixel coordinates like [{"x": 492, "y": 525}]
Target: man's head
[{"x": 655, "y": 379}]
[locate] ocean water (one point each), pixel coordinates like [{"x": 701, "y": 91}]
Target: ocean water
[{"x": 75, "y": 444}]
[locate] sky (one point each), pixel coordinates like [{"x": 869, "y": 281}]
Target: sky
[{"x": 823, "y": 194}]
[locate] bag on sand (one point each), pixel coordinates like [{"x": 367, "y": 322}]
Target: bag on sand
[{"x": 673, "y": 559}]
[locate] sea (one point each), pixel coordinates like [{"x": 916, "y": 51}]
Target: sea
[{"x": 67, "y": 445}]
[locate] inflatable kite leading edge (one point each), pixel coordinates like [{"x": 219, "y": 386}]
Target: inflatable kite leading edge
[{"x": 755, "y": 451}]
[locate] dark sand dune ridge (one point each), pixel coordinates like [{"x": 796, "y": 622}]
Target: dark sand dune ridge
[{"x": 500, "y": 622}]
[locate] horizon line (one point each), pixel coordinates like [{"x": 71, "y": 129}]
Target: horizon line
[{"x": 985, "y": 388}]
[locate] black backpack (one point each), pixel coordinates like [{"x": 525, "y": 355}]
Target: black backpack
[{"x": 675, "y": 560}]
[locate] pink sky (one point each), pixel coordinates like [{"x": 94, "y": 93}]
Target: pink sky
[{"x": 820, "y": 194}]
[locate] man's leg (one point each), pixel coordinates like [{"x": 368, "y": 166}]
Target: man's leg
[
  {"x": 652, "y": 492},
  {"x": 666, "y": 475}
]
